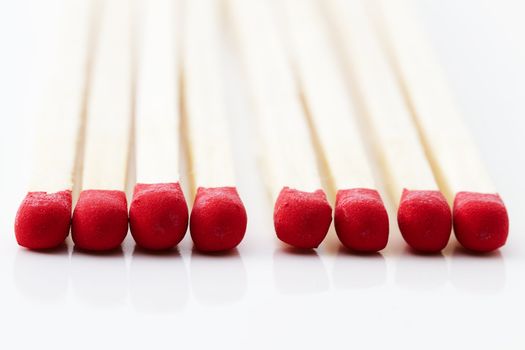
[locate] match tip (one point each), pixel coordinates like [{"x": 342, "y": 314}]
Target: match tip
[
  {"x": 100, "y": 220},
  {"x": 43, "y": 219},
  {"x": 302, "y": 219},
  {"x": 481, "y": 222},
  {"x": 425, "y": 220},
  {"x": 218, "y": 219},
  {"x": 158, "y": 215},
  {"x": 361, "y": 220}
]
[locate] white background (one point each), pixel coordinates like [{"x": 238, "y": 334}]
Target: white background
[{"x": 263, "y": 295}]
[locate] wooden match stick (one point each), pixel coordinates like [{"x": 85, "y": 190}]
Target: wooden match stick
[
  {"x": 480, "y": 217},
  {"x": 424, "y": 217},
  {"x": 302, "y": 214},
  {"x": 218, "y": 218},
  {"x": 360, "y": 218},
  {"x": 100, "y": 218},
  {"x": 158, "y": 212},
  {"x": 44, "y": 216}
]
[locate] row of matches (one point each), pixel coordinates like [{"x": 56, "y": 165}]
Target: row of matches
[{"x": 298, "y": 59}]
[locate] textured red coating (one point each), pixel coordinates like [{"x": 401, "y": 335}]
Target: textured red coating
[
  {"x": 218, "y": 219},
  {"x": 481, "y": 222},
  {"x": 158, "y": 215},
  {"x": 43, "y": 219},
  {"x": 425, "y": 220},
  {"x": 361, "y": 220},
  {"x": 302, "y": 219},
  {"x": 100, "y": 220}
]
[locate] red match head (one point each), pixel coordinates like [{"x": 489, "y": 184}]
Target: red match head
[
  {"x": 158, "y": 215},
  {"x": 481, "y": 222},
  {"x": 425, "y": 220},
  {"x": 100, "y": 220},
  {"x": 43, "y": 219},
  {"x": 218, "y": 219},
  {"x": 361, "y": 220},
  {"x": 302, "y": 219}
]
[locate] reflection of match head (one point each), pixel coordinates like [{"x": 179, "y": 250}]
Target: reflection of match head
[
  {"x": 158, "y": 215},
  {"x": 425, "y": 220},
  {"x": 100, "y": 220},
  {"x": 43, "y": 219},
  {"x": 302, "y": 219},
  {"x": 481, "y": 222},
  {"x": 218, "y": 219},
  {"x": 361, "y": 220}
]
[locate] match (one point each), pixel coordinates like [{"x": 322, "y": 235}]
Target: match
[
  {"x": 360, "y": 217},
  {"x": 158, "y": 213},
  {"x": 100, "y": 218},
  {"x": 480, "y": 217},
  {"x": 302, "y": 214},
  {"x": 218, "y": 218},
  {"x": 44, "y": 216},
  {"x": 424, "y": 217}
]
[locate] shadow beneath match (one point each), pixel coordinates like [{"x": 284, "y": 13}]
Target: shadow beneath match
[
  {"x": 353, "y": 270},
  {"x": 477, "y": 273},
  {"x": 421, "y": 272},
  {"x": 217, "y": 278},
  {"x": 42, "y": 275},
  {"x": 99, "y": 279},
  {"x": 298, "y": 271},
  {"x": 158, "y": 282}
]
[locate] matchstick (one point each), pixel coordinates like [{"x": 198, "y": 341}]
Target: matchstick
[
  {"x": 302, "y": 214},
  {"x": 360, "y": 218},
  {"x": 44, "y": 216},
  {"x": 158, "y": 212},
  {"x": 100, "y": 218},
  {"x": 424, "y": 217},
  {"x": 480, "y": 217},
  {"x": 218, "y": 217}
]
